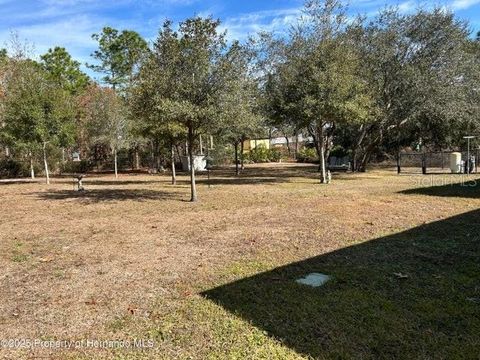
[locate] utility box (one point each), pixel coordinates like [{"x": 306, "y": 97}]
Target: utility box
[
  {"x": 76, "y": 156},
  {"x": 456, "y": 164},
  {"x": 199, "y": 163}
]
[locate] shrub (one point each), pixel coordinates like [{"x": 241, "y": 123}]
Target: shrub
[
  {"x": 339, "y": 152},
  {"x": 307, "y": 155},
  {"x": 10, "y": 168},
  {"x": 275, "y": 155},
  {"x": 262, "y": 155},
  {"x": 75, "y": 167},
  {"x": 222, "y": 155}
]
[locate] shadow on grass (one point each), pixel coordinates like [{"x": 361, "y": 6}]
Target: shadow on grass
[
  {"x": 274, "y": 173},
  {"x": 411, "y": 295},
  {"x": 257, "y": 175},
  {"x": 239, "y": 180},
  {"x": 466, "y": 189},
  {"x": 121, "y": 182},
  {"x": 5, "y": 182},
  {"x": 106, "y": 195}
]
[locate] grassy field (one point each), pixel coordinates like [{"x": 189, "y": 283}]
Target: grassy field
[{"x": 133, "y": 259}]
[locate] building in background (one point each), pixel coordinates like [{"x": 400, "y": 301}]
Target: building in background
[{"x": 252, "y": 144}]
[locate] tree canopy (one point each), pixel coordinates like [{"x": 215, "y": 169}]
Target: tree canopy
[
  {"x": 118, "y": 55},
  {"x": 64, "y": 70}
]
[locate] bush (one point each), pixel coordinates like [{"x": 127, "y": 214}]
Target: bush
[
  {"x": 10, "y": 168},
  {"x": 307, "y": 155},
  {"x": 339, "y": 152},
  {"x": 275, "y": 155},
  {"x": 75, "y": 167},
  {"x": 259, "y": 155},
  {"x": 262, "y": 155},
  {"x": 222, "y": 155}
]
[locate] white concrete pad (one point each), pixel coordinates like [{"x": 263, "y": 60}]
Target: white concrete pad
[{"x": 314, "y": 279}]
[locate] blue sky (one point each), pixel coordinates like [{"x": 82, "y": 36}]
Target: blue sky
[{"x": 70, "y": 23}]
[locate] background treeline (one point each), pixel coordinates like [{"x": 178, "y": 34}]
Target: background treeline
[{"x": 366, "y": 87}]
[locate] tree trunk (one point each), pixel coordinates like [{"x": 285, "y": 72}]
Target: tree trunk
[
  {"x": 32, "y": 170},
  {"x": 321, "y": 148},
  {"x": 192, "y": 166},
  {"x": 136, "y": 158},
  {"x": 237, "y": 170},
  {"x": 362, "y": 167},
  {"x": 314, "y": 133},
  {"x": 115, "y": 162},
  {"x": 296, "y": 146},
  {"x": 7, "y": 151},
  {"x": 354, "y": 160},
  {"x": 328, "y": 149},
  {"x": 157, "y": 157},
  {"x": 174, "y": 174},
  {"x": 285, "y": 135},
  {"x": 242, "y": 167},
  {"x": 178, "y": 148},
  {"x": 152, "y": 156},
  {"x": 356, "y": 147},
  {"x": 45, "y": 163},
  {"x": 201, "y": 145},
  {"x": 96, "y": 156},
  {"x": 366, "y": 157}
]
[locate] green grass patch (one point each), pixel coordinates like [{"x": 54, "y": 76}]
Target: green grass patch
[{"x": 399, "y": 296}]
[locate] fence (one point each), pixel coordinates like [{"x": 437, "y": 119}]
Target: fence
[{"x": 431, "y": 162}]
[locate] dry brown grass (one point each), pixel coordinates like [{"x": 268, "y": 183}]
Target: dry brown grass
[{"x": 108, "y": 263}]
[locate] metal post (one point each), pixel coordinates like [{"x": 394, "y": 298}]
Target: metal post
[
  {"x": 399, "y": 166},
  {"x": 468, "y": 152},
  {"x": 207, "y": 161},
  {"x": 468, "y": 156},
  {"x": 476, "y": 160},
  {"x": 424, "y": 163}
]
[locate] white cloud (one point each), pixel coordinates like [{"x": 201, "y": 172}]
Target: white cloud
[
  {"x": 240, "y": 27},
  {"x": 407, "y": 6},
  {"x": 73, "y": 33},
  {"x": 464, "y": 4},
  {"x": 70, "y": 23}
]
